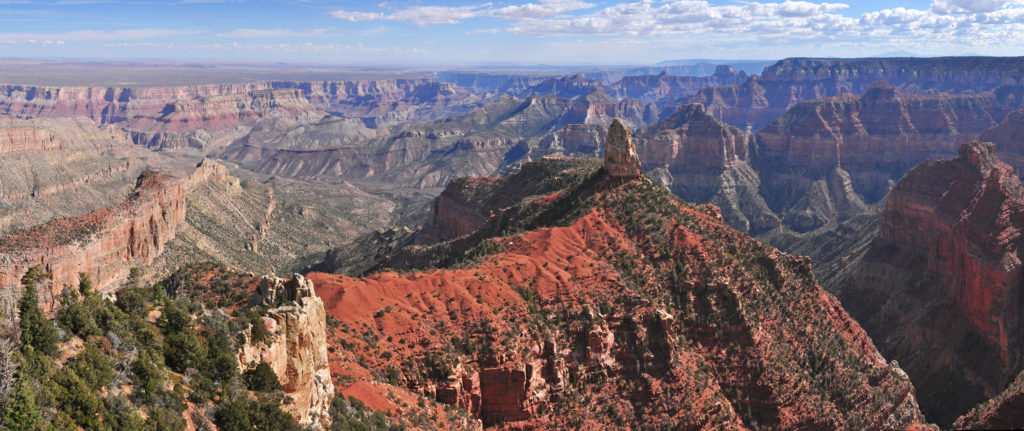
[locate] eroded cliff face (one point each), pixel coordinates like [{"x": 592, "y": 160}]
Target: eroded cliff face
[
  {"x": 702, "y": 159},
  {"x": 104, "y": 105},
  {"x": 824, "y": 160},
  {"x": 1004, "y": 411},
  {"x": 504, "y": 132},
  {"x": 210, "y": 122},
  {"x": 760, "y": 100},
  {"x": 590, "y": 301},
  {"x": 380, "y": 103},
  {"x": 53, "y": 167},
  {"x": 663, "y": 89},
  {"x": 107, "y": 242},
  {"x": 940, "y": 286},
  {"x": 1008, "y": 136},
  {"x": 295, "y": 348}
]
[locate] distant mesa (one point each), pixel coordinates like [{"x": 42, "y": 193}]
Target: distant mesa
[{"x": 620, "y": 158}]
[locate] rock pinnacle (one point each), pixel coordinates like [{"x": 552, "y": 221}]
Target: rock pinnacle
[{"x": 620, "y": 157}]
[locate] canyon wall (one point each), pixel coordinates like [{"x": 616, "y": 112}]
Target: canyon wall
[
  {"x": 763, "y": 98},
  {"x": 107, "y": 242},
  {"x": 704, "y": 160},
  {"x": 52, "y": 167},
  {"x": 210, "y": 122},
  {"x": 939, "y": 288},
  {"x": 295, "y": 348},
  {"x": 379, "y": 102},
  {"x": 824, "y": 160}
]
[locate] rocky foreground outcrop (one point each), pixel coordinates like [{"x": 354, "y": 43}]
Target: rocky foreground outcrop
[
  {"x": 105, "y": 243},
  {"x": 939, "y": 288},
  {"x": 591, "y": 301},
  {"x": 763, "y": 98},
  {"x": 295, "y": 347}
]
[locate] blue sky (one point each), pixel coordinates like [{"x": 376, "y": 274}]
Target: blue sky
[{"x": 517, "y": 32}]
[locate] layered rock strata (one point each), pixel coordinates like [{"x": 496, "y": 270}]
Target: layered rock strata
[
  {"x": 763, "y": 98},
  {"x": 379, "y": 102},
  {"x": 939, "y": 288},
  {"x": 107, "y": 242},
  {"x": 53, "y": 167},
  {"x": 824, "y": 160},
  {"x": 208, "y": 122},
  {"x": 702, "y": 159}
]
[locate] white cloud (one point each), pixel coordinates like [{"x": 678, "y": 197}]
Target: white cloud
[
  {"x": 356, "y": 16},
  {"x": 419, "y": 15},
  {"x": 966, "y": 6},
  {"x": 541, "y": 9},
  {"x": 271, "y": 33}
]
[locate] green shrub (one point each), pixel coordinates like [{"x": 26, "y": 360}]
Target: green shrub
[
  {"x": 262, "y": 378},
  {"x": 37, "y": 331}
]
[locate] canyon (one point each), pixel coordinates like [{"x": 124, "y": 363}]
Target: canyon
[
  {"x": 759, "y": 100},
  {"x": 937, "y": 287},
  {"x": 106, "y": 243},
  {"x": 468, "y": 262},
  {"x": 704, "y": 339}
]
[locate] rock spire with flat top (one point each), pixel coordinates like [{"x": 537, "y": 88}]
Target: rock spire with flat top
[{"x": 620, "y": 157}]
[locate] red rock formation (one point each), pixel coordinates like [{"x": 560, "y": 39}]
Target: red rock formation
[
  {"x": 296, "y": 348},
  {"x": 107, "y": 242},
  {"x": 1008, "y": 136},
  {"x": 610, "y": 303},
  {"x": 1004, "y": 411},
  {"x": 939, "y": 287}
]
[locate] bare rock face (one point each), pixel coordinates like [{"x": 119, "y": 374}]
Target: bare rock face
[
  {"x": 295, "y": 348},
  {"x": 761, "y": 99},
  {"x": 107, "y": 242},
  {"x": 216, "y": 121},
  {"x": 705, "y": 160},
  {"x": 620, "y": 158},
  {"x": 52, "y": 167},
  {"x": 873, "y": 140},
  {"x": 939, "y": 288}
]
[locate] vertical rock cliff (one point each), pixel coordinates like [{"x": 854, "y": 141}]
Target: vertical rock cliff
[
  {"x": 940, "y": 287},
  {"x": 107, "y": 242},
  {"x": 702, "y": 159},
  {"x": 825, "y": 159},
  {"x": 620, "y": 158},
  {"x": 295, "y": 348}
]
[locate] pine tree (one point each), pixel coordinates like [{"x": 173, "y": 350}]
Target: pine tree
[
  {"x": 37, "y": 331},
  {"x": 22, "y": 412}
]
